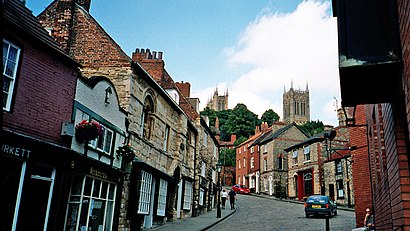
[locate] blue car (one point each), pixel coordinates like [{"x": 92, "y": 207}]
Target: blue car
[{"x": 320, "y": 205}]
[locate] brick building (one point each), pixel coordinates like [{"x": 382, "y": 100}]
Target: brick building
[
  {"x": 39, "y": 82},
  {"x": 374, "y": 68}
]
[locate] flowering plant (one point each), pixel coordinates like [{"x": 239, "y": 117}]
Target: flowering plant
[
  {"x": 126, "y": 151},
  {"x": 88, "y": 130}
]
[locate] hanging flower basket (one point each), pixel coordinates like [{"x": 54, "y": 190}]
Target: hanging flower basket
[
  {"x": 86, "y": 130},
  {"x": 126, "y": 152}
]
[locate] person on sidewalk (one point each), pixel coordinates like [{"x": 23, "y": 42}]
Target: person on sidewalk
[
  {"x": 224, "y": 196},
  {"x": 369, "y": 220},
  {"x": 232, "y": 198}
]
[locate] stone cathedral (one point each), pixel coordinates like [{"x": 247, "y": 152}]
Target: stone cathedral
[
  {"x": 296, "y": 106},
  {"x": 218, "y": 102}
]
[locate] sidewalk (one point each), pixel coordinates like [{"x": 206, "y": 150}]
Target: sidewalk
[{"x": 201, "y": 222}]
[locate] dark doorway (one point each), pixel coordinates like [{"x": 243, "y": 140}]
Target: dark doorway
[{"x": 332, "y": 191}]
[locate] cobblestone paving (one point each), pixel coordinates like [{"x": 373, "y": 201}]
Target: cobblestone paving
[{"x": 256, "y": 213}]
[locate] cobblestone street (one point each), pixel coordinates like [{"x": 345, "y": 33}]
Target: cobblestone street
[{"x": 256, "y": 213}]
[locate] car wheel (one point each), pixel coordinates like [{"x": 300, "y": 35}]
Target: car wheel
[
  {"x": 335, "y": 213},
  {"x": 307, "y": 215}
]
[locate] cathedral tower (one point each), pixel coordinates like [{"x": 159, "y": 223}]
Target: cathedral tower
[
  {"x": 296, "y": 106},
  {"x": 218, "y": 102}
]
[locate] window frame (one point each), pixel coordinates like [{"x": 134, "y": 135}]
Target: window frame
[
  {"x": 186, "y": 204},
  {"x": 144, "y": 193},
  {"x": 162, "y": 197},
  {"x": 101, "y": 139},
  {"x": 13, "y": 78}
]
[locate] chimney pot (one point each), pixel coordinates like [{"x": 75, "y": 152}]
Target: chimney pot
[{"x": 160, "y": 55}]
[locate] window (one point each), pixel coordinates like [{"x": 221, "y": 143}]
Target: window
[
  {"x": 239, "y": 164},
  {"x": 339, "y": 169},
  {"x": 187, "y": 195},
  {"x": 280, "y": 162},
  {"x": 295, "y": 157},
  {"x": 203, "y": 169},
  {"x": 244, "y": 162},
  {"x": 215, "y": 151},
  {"x": 252, "y": 162},
  {"x": 162, "y": 197},
  {"x": 306, "y": 152},
  {"x": 205, "y": 139},
  {"x": 265, "y": 148},
  {"x": 244, "y": 148},
  {"x": 104, "y": 141},
  {"x": 265, "y": 164},
  {"x": 145, "y": 193},
  {"x": 252, "y": 149},
  {"x": 201, "y": 196},
  {"x": 148, "y": 119},
  {"x": 166, "y": 137},
  {"x": 239, "y": 179},
  {"x": 11, "y": 54},
  {"x": 340, "y": 192},
  {"x": 91, "y": 204}
]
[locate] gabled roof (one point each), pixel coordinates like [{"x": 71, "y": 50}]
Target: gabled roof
[
  {"x": 314, "y": 139},
  {"x": 280, "y": 131},
  {"x": 20, "y": 18},
  {"x": 261, "y": 137}
]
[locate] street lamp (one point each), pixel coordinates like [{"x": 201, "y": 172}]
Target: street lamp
[{"x": 219, "y": 169}]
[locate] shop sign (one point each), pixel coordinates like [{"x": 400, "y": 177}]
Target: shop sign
[
  {"x": 95, "y": 172},
  {"x": 15, "y": 151}
]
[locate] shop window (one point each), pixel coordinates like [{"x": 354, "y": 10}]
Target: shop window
[
  {"x": 145, "y": 193},
  {"x": 187, "y": 195},
  {"x": 11, "y": 54},
  {"x": 91, "y": 204},
  {"x": 162, "y": 197}
]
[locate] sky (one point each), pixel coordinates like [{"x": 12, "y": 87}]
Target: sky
[{"x": 252, "y": 49}]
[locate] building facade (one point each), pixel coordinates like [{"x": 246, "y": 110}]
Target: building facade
[
  {"x": 386, "y": 101},
  {"x": 274, "y": 159},
  {"x": 296, "y": 105}
]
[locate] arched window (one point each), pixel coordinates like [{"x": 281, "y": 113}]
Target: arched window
[{"x": 147, "y": 117}]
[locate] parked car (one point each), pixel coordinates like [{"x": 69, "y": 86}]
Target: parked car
[
  {"x": 241, "y": 189},
  {"x": 320, "y": 205}
]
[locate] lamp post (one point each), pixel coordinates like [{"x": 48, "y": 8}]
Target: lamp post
[{"x": 218, "y": 208}]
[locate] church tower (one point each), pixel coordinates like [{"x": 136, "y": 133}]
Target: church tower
[
  {"x": 296, "y": 106},
  {"x": 218, "y": 102}
]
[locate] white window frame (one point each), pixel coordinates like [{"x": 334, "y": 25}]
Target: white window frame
[
  {"x": 306, "y": 152},
  {"x": 252, "y": 162},
  {"x": 265, "y": 164},
  {"x": 252, "y": 149},
  {"x": 187, "y": 196},
  {"x": 100, "y": 142},
  {"x": 201, "y": 196},
  {"x": 239, "y": 164},
  {"x": 244, "y": 162},
  {"x": 13, "y": 76},
  {"x": 162, "y": 197},
  {"x": 145, "y": 193}
]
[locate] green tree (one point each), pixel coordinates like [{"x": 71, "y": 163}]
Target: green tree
[
  {"x": 313, "y": 127},
  {"x": 240, "y": 121},
  {"x": 228, "y": 156},
  {"x": 211, "y": 114},
  {"x": 270, "y": 116}
]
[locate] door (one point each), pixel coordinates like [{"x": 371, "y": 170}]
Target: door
[
  {"x": 36, "y": 198},
  {"x": 332, "y": 191},
  {"x": 179, "y": 200}
]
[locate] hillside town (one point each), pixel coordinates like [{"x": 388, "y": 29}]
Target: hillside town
[{"x": 96, "y": 139}]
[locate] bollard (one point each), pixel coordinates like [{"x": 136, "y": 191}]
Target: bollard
[{"x": 327, "y": 224}]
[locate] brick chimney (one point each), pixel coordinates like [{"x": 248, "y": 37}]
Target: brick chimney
[
  {"x": 151, "y": 62},
  {"x": 265, "y": 126},
  {"x": 233, "y": 138},
  {"x": 185, "y": 88},
  {"x": 84, "y": 4},
  {"x": 257, "y": 130}
]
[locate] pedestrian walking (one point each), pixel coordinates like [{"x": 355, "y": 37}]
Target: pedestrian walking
[
  {"x": 232, "y": 198},
  {"x": 224, "y": 196}
]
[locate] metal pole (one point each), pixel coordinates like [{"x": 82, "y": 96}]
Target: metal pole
[
  {"x": 218, "y": 210},
  {"x": 327, "y": 224}
]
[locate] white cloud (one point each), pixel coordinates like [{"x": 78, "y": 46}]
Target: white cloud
[{"x": 299, "y": 46}]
